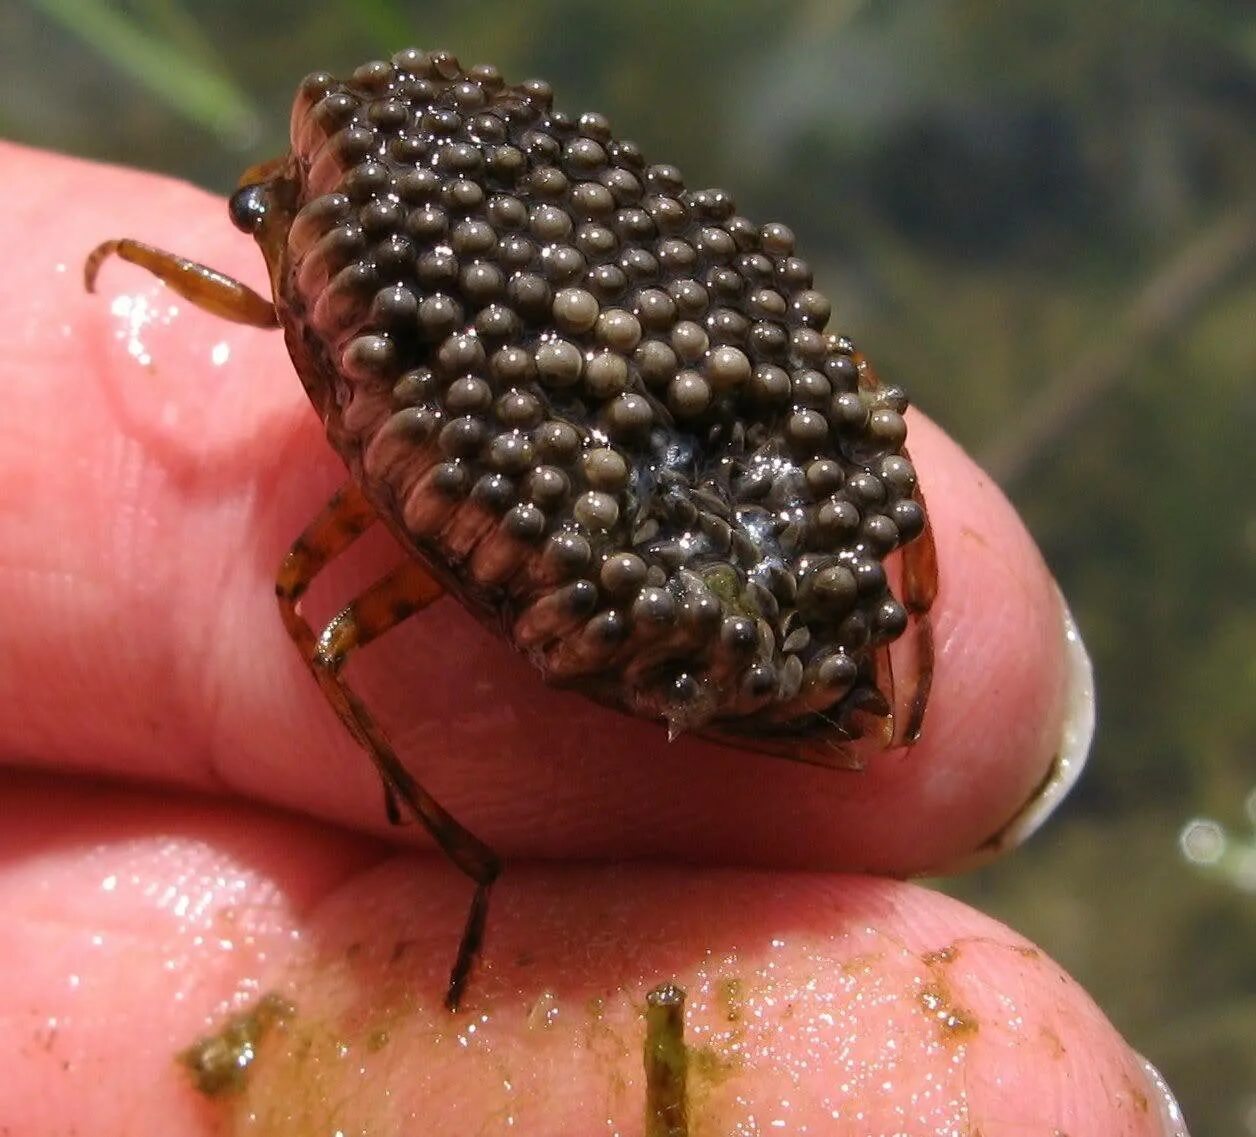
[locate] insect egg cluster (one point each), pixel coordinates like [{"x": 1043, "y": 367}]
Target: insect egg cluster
[{"x": 604, "y": 405}]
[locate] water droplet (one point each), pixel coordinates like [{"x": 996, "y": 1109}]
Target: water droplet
[{"x": 1202, "y": 841}]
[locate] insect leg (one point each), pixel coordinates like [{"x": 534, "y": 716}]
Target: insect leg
[
  {"x": 920, "y": 588},
  {"x": 342, "y": 521},
  {"x": 205, "y": 287},
  {"x": 393, "y": 598}
]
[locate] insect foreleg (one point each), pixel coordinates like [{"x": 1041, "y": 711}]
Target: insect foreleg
[{"x": 205, "y": 287}]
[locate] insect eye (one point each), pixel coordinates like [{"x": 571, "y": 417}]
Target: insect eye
[{"x": 247, "y": 207}]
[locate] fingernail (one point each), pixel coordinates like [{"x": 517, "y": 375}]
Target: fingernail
[
  {"x": 1172, "y": 1123},
  {"x": 1076, "y": 733},
  {"x": 1073, "y": 748}
]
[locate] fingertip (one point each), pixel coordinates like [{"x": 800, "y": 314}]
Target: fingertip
[{"x": 1065, "y": 767}]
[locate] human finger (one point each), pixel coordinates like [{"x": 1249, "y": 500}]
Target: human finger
[
  {"x": 157, "y": 463},
  {"x": 139, "y": 924}
]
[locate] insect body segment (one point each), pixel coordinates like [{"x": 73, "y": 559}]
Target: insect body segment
[{"x": 600, "y": 408}]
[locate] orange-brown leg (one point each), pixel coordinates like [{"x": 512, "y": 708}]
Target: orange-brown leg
[
  {"x": 390, "y": 600},
  {"x": 395, "y": 597},
  {"x": 203, "y": 286},
  {"x": 920, "y": 589},
  {"x": 919, "y": 579}
]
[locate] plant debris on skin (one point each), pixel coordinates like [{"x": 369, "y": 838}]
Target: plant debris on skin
[
  {"x": 220, "y": 1063},
  {"x": 600, "y": 408},
  {"x": 666, "y": 1063}
]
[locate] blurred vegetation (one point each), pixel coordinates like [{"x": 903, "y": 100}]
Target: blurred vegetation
[{"x": 1038, "y": 214}]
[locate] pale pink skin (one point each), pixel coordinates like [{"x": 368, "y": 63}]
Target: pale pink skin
[{"x": 153, "y": 474}]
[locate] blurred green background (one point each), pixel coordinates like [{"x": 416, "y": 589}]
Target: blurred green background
[{"x": 1040, "y": 216}]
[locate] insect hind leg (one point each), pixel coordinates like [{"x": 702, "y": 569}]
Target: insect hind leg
[
  {"x": 920, "y": 589},
  {"x": 393, "y": 598}
]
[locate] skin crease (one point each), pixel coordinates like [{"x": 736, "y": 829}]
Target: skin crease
[{"x": 154, "y": 473}]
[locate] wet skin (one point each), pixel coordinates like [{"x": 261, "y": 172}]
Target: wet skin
[{"x": 151, "y": 483}]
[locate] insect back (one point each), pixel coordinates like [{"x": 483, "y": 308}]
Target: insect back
[{"x": 602, "y": 407}]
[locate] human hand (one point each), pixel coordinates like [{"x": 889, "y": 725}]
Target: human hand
[{"x": 187, "y": 825}]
